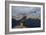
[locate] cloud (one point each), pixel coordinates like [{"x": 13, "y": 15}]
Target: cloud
[{"x": 26, "y": 10}]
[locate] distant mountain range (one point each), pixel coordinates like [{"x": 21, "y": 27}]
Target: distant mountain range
[{"x": 19, "y": 16}]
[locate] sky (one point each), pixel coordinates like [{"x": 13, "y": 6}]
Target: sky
[{"x": 36, "y": 11}]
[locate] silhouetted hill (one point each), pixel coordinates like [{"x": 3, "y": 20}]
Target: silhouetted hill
[{"x": 29, "y": 23}]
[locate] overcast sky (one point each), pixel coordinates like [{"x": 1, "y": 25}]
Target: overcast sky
[{"x": 27, "y": 10}]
